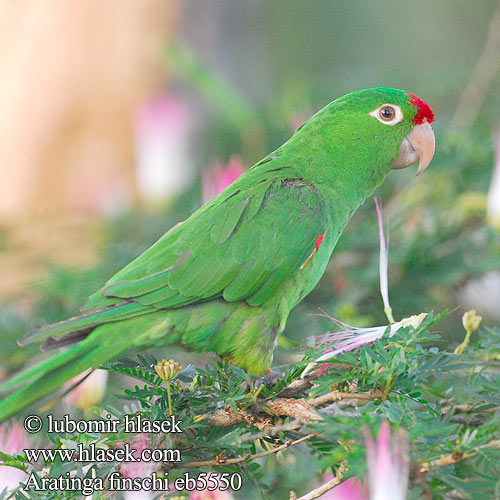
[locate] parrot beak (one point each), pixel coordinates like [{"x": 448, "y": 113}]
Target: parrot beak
[{"x": 419, "y": 144}]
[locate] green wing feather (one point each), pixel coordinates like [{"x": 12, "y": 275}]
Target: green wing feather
[{"x": 240, "y": 247}]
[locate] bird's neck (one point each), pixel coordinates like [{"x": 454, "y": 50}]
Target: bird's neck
[{"x": 343, "y": 172}]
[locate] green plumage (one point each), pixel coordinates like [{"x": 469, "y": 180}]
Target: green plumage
[{"x": 226, "y": 278}]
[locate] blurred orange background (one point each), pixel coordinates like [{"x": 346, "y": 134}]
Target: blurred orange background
[{"x": 71, "y": 76}]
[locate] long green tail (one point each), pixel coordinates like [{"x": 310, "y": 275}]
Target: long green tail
[
  {"x": 106, "y": 342},
  {"x": 87, "y": 320},
  {"x": 241, "y": 332}
]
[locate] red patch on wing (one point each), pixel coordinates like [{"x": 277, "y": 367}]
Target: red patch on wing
[
  {"x": 424, "y": 111},
  {"x": 319, "y": 240}
]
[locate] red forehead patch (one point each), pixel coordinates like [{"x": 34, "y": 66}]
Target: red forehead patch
[{"x": 424, "y": 111}]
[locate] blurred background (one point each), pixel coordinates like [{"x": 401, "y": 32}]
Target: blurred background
[{"x": 118, "y": 120}]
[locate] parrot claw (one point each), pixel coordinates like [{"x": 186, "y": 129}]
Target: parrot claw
[{"x": 270, "y": 379}]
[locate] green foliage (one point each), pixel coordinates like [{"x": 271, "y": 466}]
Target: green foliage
[{"x": 448, "y": 404}]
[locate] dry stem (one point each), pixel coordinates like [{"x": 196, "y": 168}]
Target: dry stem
[
  {"x": 227, "y": 461},
  {"x": 453, "y": 458},
  {"x": 321, "y": 490}
]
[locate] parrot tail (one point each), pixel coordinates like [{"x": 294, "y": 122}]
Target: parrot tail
[
  {"x": 78, "y": 327},
  {"x": 49, "y": 375}
]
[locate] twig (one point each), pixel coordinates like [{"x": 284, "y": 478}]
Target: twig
[
  {"x": 464, "y": 414},
  {"x": 272, "y": 431},
  {"x": 453, "y": 458},
  {"x": 258, "y": 414},
  {"x": 296, "y": 408},
  {"x": 336, "y": 396},
  {"x": 301, "y": 384},
  {"x": 228, "y": 461},
  {"x": 227, "y": 416},
  {"x": 333, "y": 396},
  {"x": 321, "y": 490},
  {"x": 300, "y": 409},
  {"x": 466, "y": 408},
  {"x": 470, "y": 420}
]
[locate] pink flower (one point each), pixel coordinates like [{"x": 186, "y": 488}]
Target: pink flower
[
  {"x": 90, "y": 392},
  {"x": 351, "y": 489},
  {"x": 13, "y": 440},
  {"x": 138, "y": 469},
  {"x": 219, "y": 177},
  {"x": 352, "y": 337},
  {"x": 162, "y": 128},
  {"x": 210, "y": 495},
  {"x": 388, "y": 470},
  {"x": 388, "y": 466}
]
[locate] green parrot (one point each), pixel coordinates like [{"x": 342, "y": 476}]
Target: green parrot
[{"x": 226, "y": 279}]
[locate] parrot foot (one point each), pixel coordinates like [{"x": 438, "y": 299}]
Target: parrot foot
[{"x": 269, "y": 379}]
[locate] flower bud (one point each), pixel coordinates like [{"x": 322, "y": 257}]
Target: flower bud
[
  {"x": 471, "y": 320},
  {"x": 167, "y": 369}
]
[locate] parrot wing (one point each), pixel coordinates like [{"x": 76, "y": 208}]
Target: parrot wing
[{"x": 240, "y": 246}]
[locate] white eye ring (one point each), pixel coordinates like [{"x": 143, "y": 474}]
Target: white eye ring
[{"x": 396, "y": 118}]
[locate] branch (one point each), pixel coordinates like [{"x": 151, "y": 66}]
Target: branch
[
  {"x": 470, "y": 420},
  {"x": 301, "y": 409},
  {"x": 464, "y": 414},
  {"x": 258, "y": 414},
  {"x": 272, "y": 431},
  {"x": 321, "y": 490},
  {"x": 453, "y": 458},
  {"x": 466, "y": 408},
  {"x": 296, "y": 408},
  {"x": 337, "y": 396},
  {"x": 301, "y": 384},
  {"x": 220, "y": 460}
]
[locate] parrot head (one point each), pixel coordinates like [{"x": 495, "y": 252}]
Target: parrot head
[
  {"x": 369, "y": 133},
  {"x": 394, "y": 118}
]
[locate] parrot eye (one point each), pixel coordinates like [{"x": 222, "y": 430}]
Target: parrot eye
[{"x": 388, "y": 114}]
